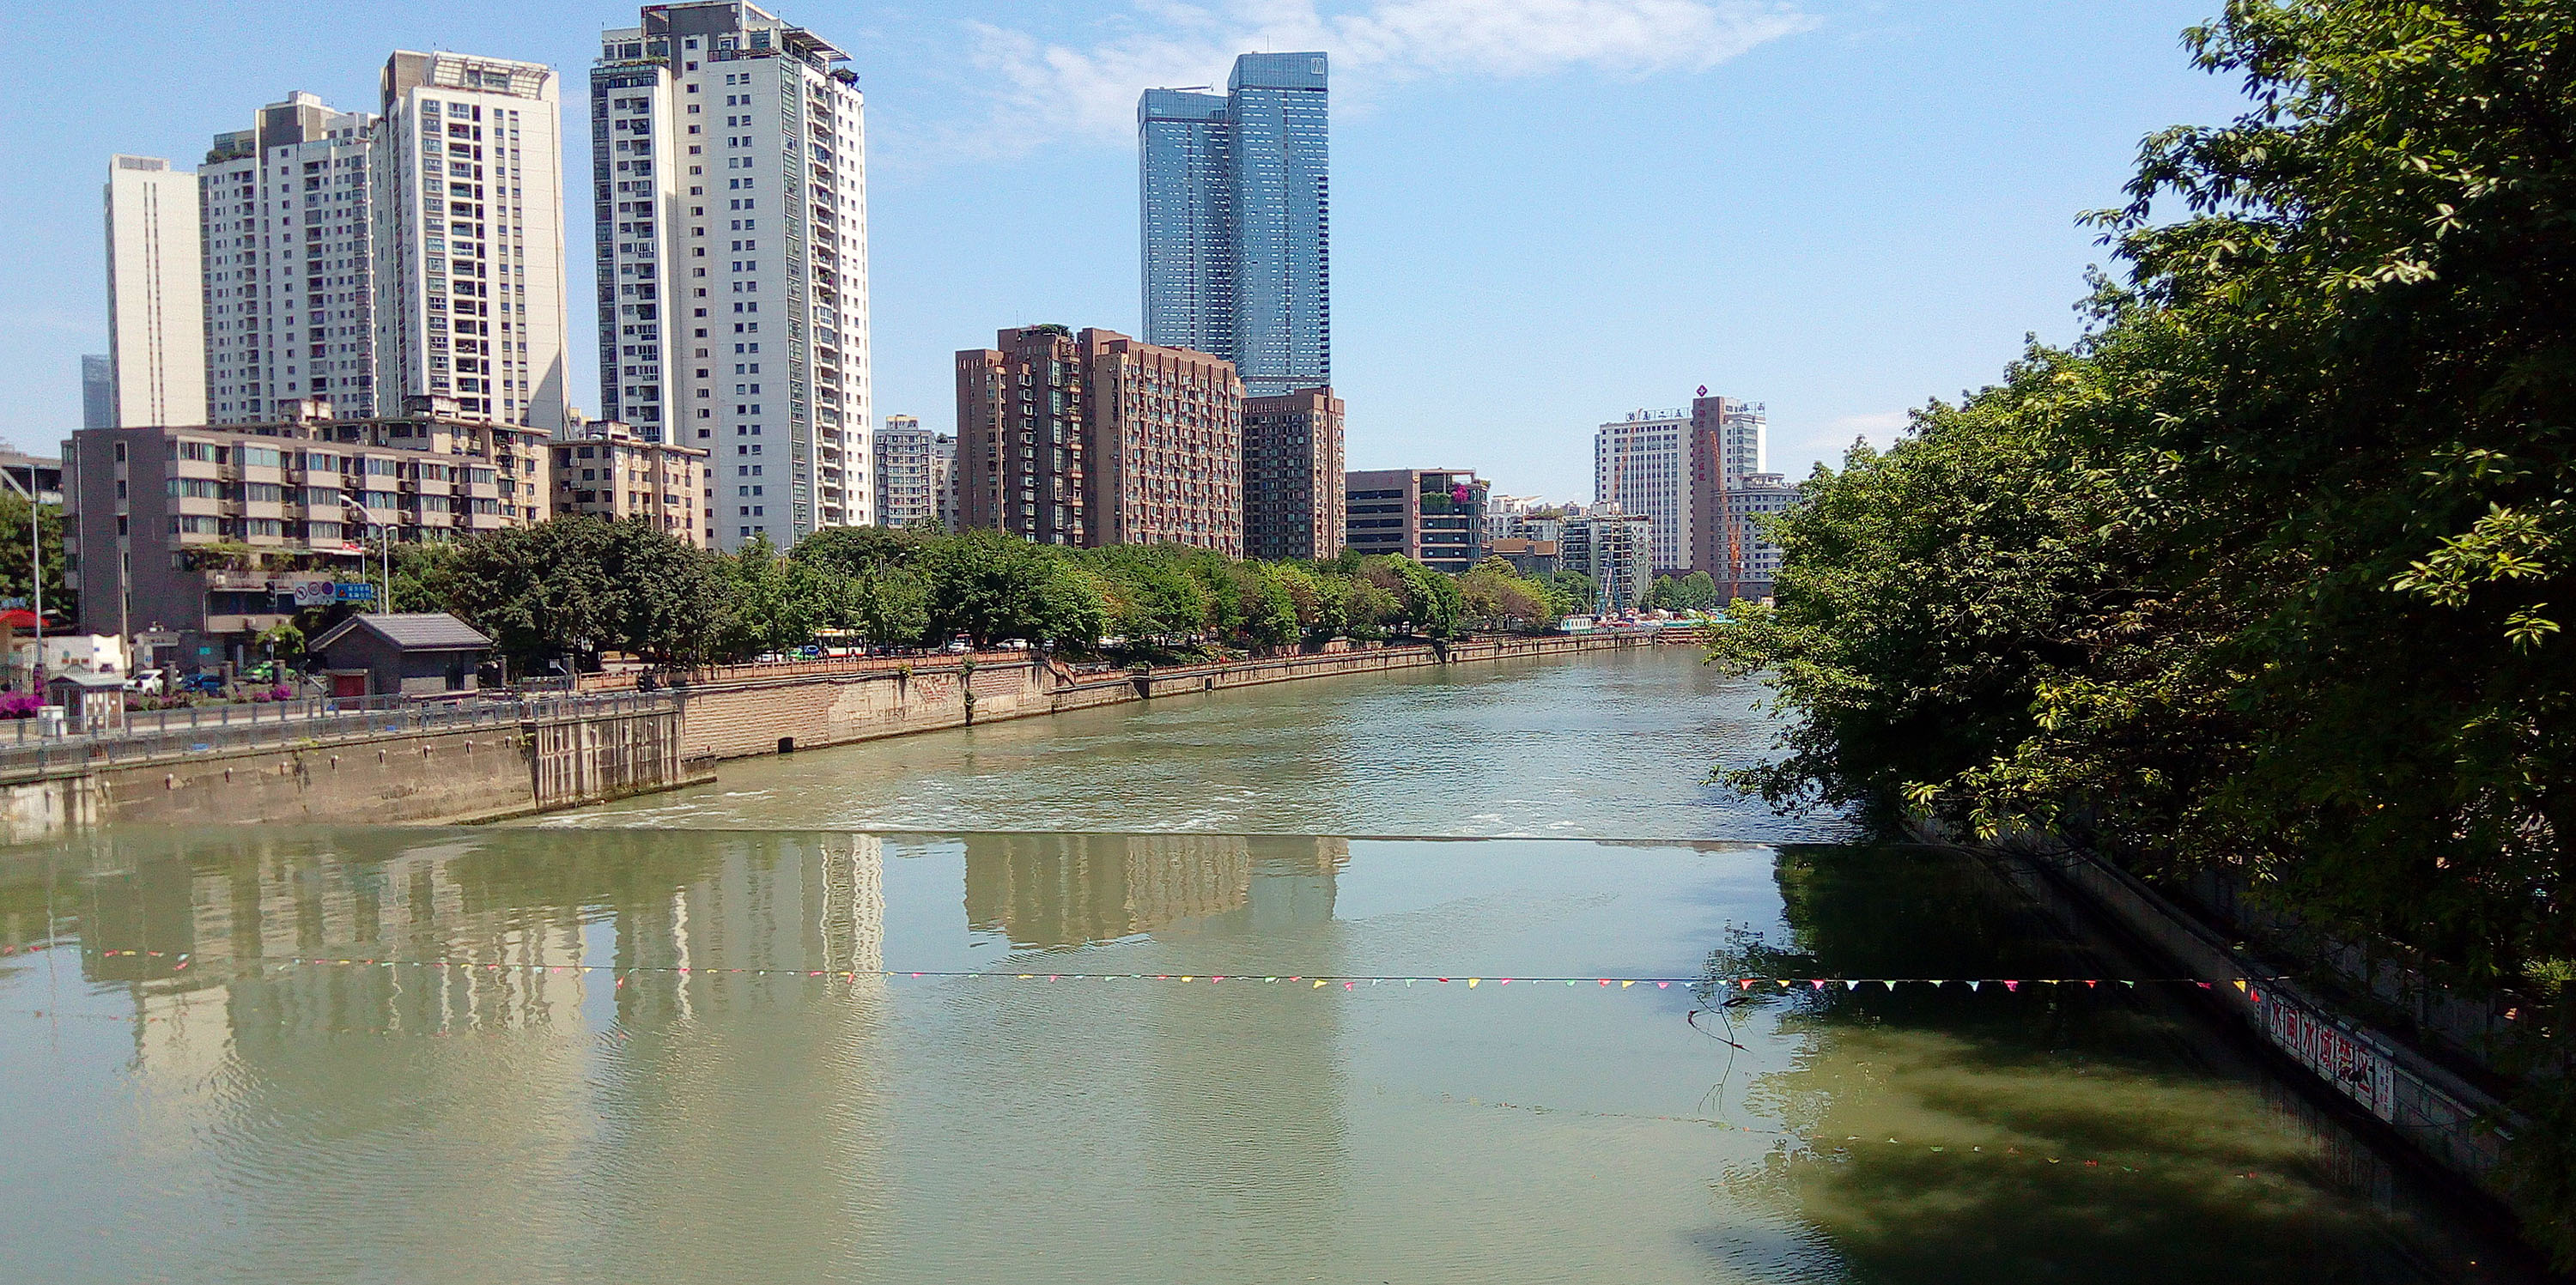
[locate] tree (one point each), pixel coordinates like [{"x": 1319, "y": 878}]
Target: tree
[
  {"x": 2268, "y": 574},
  {"x": 540, "y": 591},
  {"x": 990, "y": 586},
  {"x": 15, "y": 553},
  {"x": 1694, "y": 592},
  {"x": 860, "y": 550},
  {"x": 673, "y": 602}
]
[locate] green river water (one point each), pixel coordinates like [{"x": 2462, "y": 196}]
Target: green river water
[{"x": 658, "y": 1041}]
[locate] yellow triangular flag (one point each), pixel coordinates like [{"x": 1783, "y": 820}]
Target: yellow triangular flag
[
  {"x": 1626, "y": 985},
  {"x": 2240, "y": 983}
]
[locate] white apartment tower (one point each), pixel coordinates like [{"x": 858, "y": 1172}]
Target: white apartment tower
[
  {"x": 728, "y": 153},
  {"x": 1641, "y": 464},
  {"x": 468, "y": 178},
  {"x": 155, "y": 322},
  {"x": 289, "y": 268}
]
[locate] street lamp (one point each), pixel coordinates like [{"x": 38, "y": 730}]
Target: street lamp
[
  {"x": 35, "y": 571},
  {"x": 365, "y": 522}
]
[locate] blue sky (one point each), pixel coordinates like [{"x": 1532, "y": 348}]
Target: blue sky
[{"x": 1546, "y": 212}]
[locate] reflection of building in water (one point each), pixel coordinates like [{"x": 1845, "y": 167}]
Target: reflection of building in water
[
  {"x": 1068, "y": 889},
  {"x": 702, "y": 1076},
  {"x": 1044, "y": 890},
  {"x": 522, "y": 924},
  {"x": 1292, "y": 880}
]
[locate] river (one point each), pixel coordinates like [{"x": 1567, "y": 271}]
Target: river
[{"x": 1039, "y": 1001}]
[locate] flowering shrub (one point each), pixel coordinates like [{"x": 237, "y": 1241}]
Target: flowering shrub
[{"x": 19, "y": 704}]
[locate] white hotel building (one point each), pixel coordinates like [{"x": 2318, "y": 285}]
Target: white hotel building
[
  {"x": 1642, "y": 465},
  {"x": 727, "y": 151}
]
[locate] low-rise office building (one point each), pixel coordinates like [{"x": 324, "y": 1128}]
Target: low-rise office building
[
  {"x": 201, "y": 538},
  {"x": 604, "y": 470},
  {"x": 1434, "y": 516}
]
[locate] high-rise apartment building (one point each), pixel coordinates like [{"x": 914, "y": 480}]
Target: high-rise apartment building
[
  {"x": 468, "y": 170},
  {"x": 290, "y": 298},
  {"x": 1294, "y": 505},
  {"x": 1021, "y": 448},
  {"x": 907, "y": 473},
  {"x": 728, "y": 162},
  {"x": 1642, "y": 464},
  {"x": 1237, "y": 221},
  {"x": 155, "y": 301},
  {"x": 98, "y": 391},
  {"x": 1097, "y": 439},
  {"x": 370, "y": 258},
  {"x": 1730, "y": 488},
  {"x": 943, "y": 481},
  {"x": 1166, "y": 428}
]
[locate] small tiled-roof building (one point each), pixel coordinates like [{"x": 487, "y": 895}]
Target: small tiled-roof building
[{"x": 426, "y": 655}]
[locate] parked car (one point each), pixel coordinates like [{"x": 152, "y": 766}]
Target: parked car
[
  {"x": 149, "y": 682},
  {"x": 206, "y": 681}
]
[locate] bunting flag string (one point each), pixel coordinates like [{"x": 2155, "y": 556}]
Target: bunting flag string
[{"x": 1312, "y": 981}]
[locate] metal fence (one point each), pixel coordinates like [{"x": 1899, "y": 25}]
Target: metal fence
[{"x": 219, "y": 729}]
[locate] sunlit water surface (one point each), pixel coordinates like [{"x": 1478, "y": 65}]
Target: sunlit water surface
[
  {"x": 1613, "y": 746},
  {"x": 604, "y": 1053}
]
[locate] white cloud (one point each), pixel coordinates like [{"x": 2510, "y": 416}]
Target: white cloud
[{"x": 1092, "y": 90}]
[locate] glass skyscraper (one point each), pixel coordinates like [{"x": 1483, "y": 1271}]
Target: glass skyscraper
[{"x": 1238, "y": 221}]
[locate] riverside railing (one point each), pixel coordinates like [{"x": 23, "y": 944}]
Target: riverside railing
[{"x": 224, "y": 729}]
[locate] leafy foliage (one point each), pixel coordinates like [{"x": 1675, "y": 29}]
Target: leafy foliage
[{"x": 2269, "y": 573}]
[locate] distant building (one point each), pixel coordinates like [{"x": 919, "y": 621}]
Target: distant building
[
  {"x": 943, "y": 480},
  {"x": 1502, "y": 512},
  {"x": 1731, "y": 486},
  {"x": 1293, "y": 501},
  {"x": 1098, "y": 439},
  {"x": 1617, "y": 551},
  {"x": 1434, "y": 516},
  {"x": 604, "y": 469},
  {"x": 206, "y": 536},
  {"x": 156, "y": 318},
  {"x": 1236, "y": 221},
  {"x": 1527, "y": 556},
  {"x": 907, "y": 473},
  {"x": 98, "y": 391},
  {"x": 1641, "y": 464}
]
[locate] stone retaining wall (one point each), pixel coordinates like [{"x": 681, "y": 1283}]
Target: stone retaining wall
[
  {"x": 736, "y": 720},
  {"x": 416, "y": 777}
]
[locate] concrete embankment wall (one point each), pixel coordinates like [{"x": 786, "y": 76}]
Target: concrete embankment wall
[
  {"x": 591, "y": 756},
  {"x": 439, "y": 776},
  {"x": 2443, "y": 1117},
  {"x": 737, "y": 720}
]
